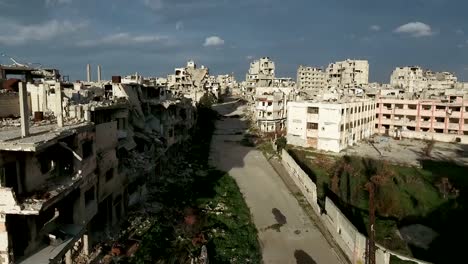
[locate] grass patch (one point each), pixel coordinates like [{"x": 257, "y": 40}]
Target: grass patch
[{"x": 432, "y": 195}]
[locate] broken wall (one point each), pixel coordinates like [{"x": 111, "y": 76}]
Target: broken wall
[{"x": 9, "y": 105}]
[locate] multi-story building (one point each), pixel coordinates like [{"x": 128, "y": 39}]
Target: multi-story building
[
  {"x": 261, "y": 73},
  {"x": 189, "y": 81},
  {"x": 270, "y": 108},
  {"x": 414, "y": 79},
  {"x": 441, "y": 120},
  {"x": 72, "y": 171},
  {"x": 227, "y": 83},
  {"x": 311, "y": 78},
  {"x": 330, "y": 126},
  {"x": 348, "y": 73}
]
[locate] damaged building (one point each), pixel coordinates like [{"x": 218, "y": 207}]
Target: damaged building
[{"x": 74, "y": 157}]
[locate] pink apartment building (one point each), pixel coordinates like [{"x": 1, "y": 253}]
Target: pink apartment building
[{"x": 441, "y": 120}]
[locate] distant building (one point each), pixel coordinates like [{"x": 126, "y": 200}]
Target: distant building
[
  {"x": 261, "y": 73},
  {"x": 348, "y": 73},
  {"x": 441, "y": 120},
  {"x": 414, "y": 79},
  {"x": 330, "y": 126},
  {"x": 311, "y": 78}
]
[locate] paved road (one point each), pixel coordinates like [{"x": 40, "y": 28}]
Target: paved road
[{"x": 287, "y": 235}]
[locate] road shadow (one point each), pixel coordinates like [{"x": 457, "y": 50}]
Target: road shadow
[{"x": 303, "y": 258}]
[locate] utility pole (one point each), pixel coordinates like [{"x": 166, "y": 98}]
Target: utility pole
[{"x": 370, "y": 186}]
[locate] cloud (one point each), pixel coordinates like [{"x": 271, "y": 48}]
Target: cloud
[
  {"x": 154, "y": 4},
  {"x": 375, "y": 28},
  {"x": 213, "y": 41},
  {"x": 57, "y": 2},
  {"x": 15, "y": 34},
  {"x": 123, "y": 39},
  {"x": 250, "y": 57},
  {"x": 459, "y": 32},
  {"x": 179, "y": 25},
  {"x": 415, "y": 29}
]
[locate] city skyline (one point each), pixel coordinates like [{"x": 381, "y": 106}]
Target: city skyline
[{"x": 154, "y": 36}]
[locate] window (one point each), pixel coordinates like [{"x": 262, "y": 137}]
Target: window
[
  {"x": 121, "y": 124},
  {"x": 313, "y": 110},
  {"x": 46, "y": 164},
  {"x": 269, "y": 113},
  {"x": 270, "y": 103},
  {"x": 109, "y": 174},
  {"x": 89, "y": 196},
  {"x": 87, "y": 149},
  {"x": 312, "y": 126}
]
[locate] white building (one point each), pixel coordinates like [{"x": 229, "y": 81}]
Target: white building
[
  {"x": 311, "y": 78},
  {"x": 329, "y": 126},
  {"x": 270, "y": 108},
  {"x": 348, "y": 73}
]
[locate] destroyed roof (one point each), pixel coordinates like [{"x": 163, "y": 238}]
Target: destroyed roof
[{"x": 40, "y": 136}]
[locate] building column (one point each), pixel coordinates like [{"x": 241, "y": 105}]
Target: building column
[
  {"x": 4, "y": 241},
  {"x": 462, "y": 120},
  {"x": 45, "y": 89},
  {"x": 68, "y": 257},
  {"x": 24, "y": 111},
  {"x": 446, "y": 121},
  {"x": 432, "y": 117},
  {"x": 58, "y": 104}
]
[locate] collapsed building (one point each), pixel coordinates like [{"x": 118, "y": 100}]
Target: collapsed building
[{"x": 75, "y": 156}]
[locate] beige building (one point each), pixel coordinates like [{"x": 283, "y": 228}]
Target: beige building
[
  {"x": 414, "y": 79},
  {"x": 423, "y": 119},
  {"x": 330, "y": 126},
  {"x": 348, "y": 73},
  {"x": 311, "y": 78},
  {"x": 261, "y": 73}
]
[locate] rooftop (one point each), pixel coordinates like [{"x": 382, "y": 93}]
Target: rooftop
[{"x": 40, "y": 136}]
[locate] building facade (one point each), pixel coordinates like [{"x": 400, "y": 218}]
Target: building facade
[
  {"x": 348, "y": 73},
  {"x": 310, "y": 78},
  {"x": 441, "y": 120},
  {"x": 329, "y": 126},
  {"x": 270, "y": 108},
  {"x": 261, "y": 73},
  {"x": 414, "y": 79},
  {"x": 69, "y": 174}
]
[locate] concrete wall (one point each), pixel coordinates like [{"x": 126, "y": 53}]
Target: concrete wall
[
  {"x": 106, "y": 136},
  {"x": 344, "y": 233},
  {"x": 9, "y": 105}
]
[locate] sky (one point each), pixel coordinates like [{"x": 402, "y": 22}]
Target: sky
[{"x": 152, "y": 37}]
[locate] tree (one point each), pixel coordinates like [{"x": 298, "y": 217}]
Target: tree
[
  {"x": 281, "y": 143},
  {"x": 207, "y": 100}
]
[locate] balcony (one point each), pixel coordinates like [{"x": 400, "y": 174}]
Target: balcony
[
  {"x": 438, "y": 125},
  {"x": 425, "y": 124},
  {"x": 440, "y": 113},
  {"x": 426, "y": 112},
  {"x": 68, "y": 247},
  {"x": 453, "y": 126},
  {"x": 386, "y": 111}
]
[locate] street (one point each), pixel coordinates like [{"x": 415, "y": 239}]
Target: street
[{"x": 286, "y": 233}]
